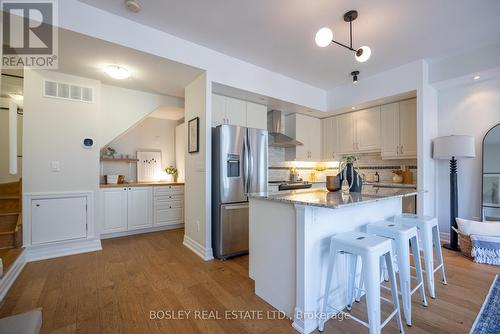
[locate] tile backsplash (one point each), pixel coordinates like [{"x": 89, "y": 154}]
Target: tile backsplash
[{"x": 368, "y": 163}]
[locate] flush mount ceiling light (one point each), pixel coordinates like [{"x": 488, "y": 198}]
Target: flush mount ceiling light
[
  {"x": 133, "y": 5},
  {"x": 355, "y": 76},
  {"x": 476, "y": 77},
  {"x": 117, "y": 72},
  {"x": 324, "y": 37}
]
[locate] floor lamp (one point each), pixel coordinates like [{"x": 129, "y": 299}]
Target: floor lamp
[{"x": 453, "y": 148}]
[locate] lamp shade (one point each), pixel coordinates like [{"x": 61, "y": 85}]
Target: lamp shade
[{"x": 454, "y": 146}]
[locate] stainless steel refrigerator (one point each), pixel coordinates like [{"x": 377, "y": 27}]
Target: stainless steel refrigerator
[{"x": 239, "y": 167}]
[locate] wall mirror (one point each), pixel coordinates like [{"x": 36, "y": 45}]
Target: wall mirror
[{"x": 491, "y": 175}]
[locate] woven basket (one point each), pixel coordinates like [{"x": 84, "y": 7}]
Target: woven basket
[{"x": 465, "y": 243}]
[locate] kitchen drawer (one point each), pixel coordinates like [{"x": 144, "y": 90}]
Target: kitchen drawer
[
  {"x": 171, "y": 197},
  {"x": 161, "y": 205},
  {"x": 168, "y": 216},
  {"x": 168, "y": 190}
]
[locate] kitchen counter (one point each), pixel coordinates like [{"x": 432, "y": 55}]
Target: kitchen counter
[
  {"x": 390, "y": 185},
  {"x": 333, "y": 200},
  {"x": 141, "y": 184}
]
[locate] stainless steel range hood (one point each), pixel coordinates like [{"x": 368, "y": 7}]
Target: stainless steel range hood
[{"x": 275, "y": 129}]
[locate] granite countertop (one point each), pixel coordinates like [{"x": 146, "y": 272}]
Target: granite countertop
[
  {"x": 141, "y": 184},
  {"x": 333, "y": 200}
]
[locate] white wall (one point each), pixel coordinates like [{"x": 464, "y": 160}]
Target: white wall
[
  {"x": 53, "y": 130},
  {"x": 466, "y": 110},
  {"x": 180, "y": 154},
  {"x": 5, "y": 176},
  {"x": 392, "y": 82},
  {"x": 197, "y": 225},
  {"x": 151, "y": 134}
]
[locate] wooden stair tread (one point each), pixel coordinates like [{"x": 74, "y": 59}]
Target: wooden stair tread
[
  {"x": 9, "y": 228},
  {"x": 8, "y": 257},
  {"x": 9, "y": 197}
]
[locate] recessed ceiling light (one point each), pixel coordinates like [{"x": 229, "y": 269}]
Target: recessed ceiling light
[
  {"x": 117, "y": 72},
  {"x": 133, "y": 5},
  {"x": 17, "y": 97},
  {"x": 353, "y": 108},
  {"x": 477, "y": 77}
]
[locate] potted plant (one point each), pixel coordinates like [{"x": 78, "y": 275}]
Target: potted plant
[{"x": 171, "y": 173}]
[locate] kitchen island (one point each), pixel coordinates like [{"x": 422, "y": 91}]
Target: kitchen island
[{"x": 289, "y": 239}]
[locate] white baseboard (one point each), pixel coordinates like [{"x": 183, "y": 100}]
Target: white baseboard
[
  {"x": 444, "y": 236},
  {"x": 205, "y": 253},
  {"x": 11, "y": 275},
  {"x": 49, "y": 251},
  {"x": 141, "y": 231}
]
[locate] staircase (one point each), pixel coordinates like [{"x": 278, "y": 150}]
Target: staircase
[{"x": 10, "y": 215}]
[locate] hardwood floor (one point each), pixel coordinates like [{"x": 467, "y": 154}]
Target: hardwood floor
[{"x": 113, "y": 291}]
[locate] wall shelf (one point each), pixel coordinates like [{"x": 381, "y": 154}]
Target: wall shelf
[{"x": 129, "y": 160}]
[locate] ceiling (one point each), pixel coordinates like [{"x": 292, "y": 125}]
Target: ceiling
[
  {"x": 279, "y": 34},
  {"x": 86, "y": 56},
  {"x": 168, "y": 113}
]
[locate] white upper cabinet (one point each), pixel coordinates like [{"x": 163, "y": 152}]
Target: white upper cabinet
[
  {"x": 218, "y": 110},
  {"x": 330, "y": 138},
  {"x": 256, "y": 116},
  {"x": 399, "y": 130},
  {"x": 346, "y": 129},
  {"x": 408, "y": 127},
  {"x": 367, "y": 130},
  {"x": 355, "y": 132},
  {"x": 236, "y": 112},
  {"x": 228, "y": 110},
  {"x": 390, "y": 129},
  {"x": 307, "y": 130}
]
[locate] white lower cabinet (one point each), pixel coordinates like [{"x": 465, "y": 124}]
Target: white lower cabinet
[
  {"x": 58, "y": 219},
  {"x": 136, "y": 208},
  {"x": 114, "y": 201},
  {"x": 139, "y": 207},
  {"x": 168, "y": 205}
]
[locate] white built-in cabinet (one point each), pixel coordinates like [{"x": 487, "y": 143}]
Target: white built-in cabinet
[
  {"x": 114, "y": 202},
  {"x": 168, "y": 205},
  {"x": 306, "y": 130},
  {"x": 58, "y": 219},
  {"x": 135, "y": 208},
  {"x": 359, "y": 132},
  {"x": 139, "y": 207},
  {"x": 228, "y": 110},
  {"x": 399, "y": 130},
  {"x": 330, "y": 138}
]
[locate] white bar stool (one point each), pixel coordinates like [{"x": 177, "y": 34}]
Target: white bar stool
[
  {"x": 370, "y": 248},
  {"x": 429, "y": 234},
  {"x": 402, "y": 235}
]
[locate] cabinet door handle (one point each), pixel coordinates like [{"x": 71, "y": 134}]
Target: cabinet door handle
[
  {"x": 401, "y": 149},
  {"x": 37, "y": 205}
]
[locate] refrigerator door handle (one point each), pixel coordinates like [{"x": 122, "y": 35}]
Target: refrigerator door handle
[
  {"x": 245, "y": 165},
  {"x": 250, "y": 165}
]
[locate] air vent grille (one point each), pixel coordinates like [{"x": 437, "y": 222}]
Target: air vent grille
[{"x": 61, "y": 90}]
